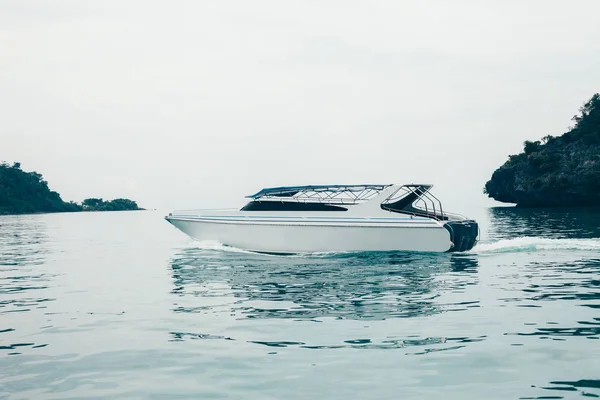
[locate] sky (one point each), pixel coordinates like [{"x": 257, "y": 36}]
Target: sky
[{"x": 195, "y": 104}]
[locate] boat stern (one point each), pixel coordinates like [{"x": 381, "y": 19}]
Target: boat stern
[{"x": 464, "y": 234}]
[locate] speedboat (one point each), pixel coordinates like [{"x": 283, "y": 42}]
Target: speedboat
[{"x": 334, "y": 218}]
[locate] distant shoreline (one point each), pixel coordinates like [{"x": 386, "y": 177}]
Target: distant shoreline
[
  {"x": 69, "y": 212},
  {"x": 27, "y": 193}
]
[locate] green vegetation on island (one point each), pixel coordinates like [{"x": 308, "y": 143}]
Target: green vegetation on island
[
  {"x": 112, "y": 205},
  {"x": 556, "y": 171},
  {"x": 27, "y": 193}
]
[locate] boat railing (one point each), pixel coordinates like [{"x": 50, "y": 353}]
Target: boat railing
[
  {"x": 417, "y": 200},
  {"x": 326, "y": 196},
  {"x": 312, "y": 200}
]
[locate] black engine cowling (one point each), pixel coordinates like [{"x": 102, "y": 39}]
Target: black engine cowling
[{"x": 463, "y": 234}]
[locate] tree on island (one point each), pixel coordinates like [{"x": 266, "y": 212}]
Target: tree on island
[
  {"x": 94, "y": 204},
  {"x": 91, "y": 204}
]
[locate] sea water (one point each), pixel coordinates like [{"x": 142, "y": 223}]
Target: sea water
[{"x": 122, "y": 305}]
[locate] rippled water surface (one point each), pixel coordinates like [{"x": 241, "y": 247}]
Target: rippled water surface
[{"x": 121, "y": 305}]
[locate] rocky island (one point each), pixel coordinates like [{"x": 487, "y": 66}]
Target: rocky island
[
  {"x": 556, "y": 171},
  {"x": 27, "y": 193}
]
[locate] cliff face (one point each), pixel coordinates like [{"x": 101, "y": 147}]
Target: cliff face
[{"x": 556, "y": 171}]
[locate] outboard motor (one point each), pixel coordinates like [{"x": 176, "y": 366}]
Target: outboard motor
[{"x": 463, "y": 234}]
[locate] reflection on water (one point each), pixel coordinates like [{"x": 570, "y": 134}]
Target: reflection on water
[
  {"x": 22, "y": 241},
  {"x": 513, "y": 222},
  {"x": 582, "y": 387},
  {"x": 573, "y": 386},
  {"x": 576, "y": 281},
  {"x": 349, "y": 286},
  {"x": 23, "y": 248},
  {"x": 354, "y": 287}
]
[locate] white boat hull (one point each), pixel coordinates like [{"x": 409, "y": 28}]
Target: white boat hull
[{"x": 319, "y": 236}]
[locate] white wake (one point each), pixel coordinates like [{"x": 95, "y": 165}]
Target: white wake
[
  {"x": 531, "y": 244},
  {"x": 515, "y": 245}
]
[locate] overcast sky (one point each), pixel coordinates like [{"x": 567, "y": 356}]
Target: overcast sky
[{"x": 185, "y": 104}]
